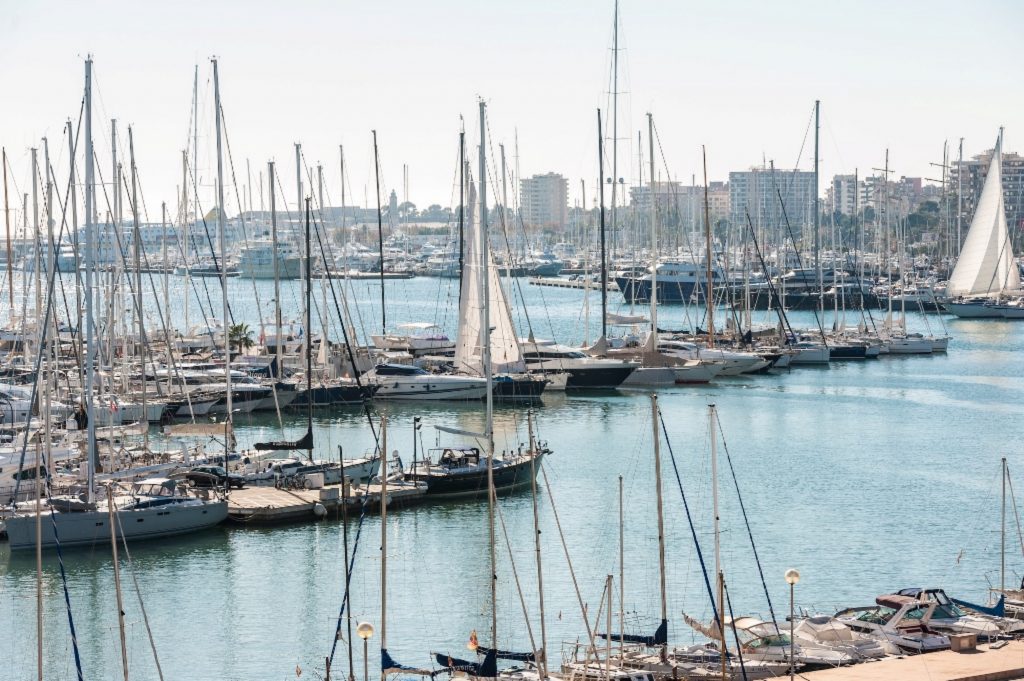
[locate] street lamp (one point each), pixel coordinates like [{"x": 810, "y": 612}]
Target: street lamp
[
  {"x": 792, "y": 577},
  {"x": 364, "y": 630}
]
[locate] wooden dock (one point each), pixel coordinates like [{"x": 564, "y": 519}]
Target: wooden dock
[
  {"x": 268, "y": 504},
  {"x": 558, "y": 282},
  {"x": 984, "y": 664}
]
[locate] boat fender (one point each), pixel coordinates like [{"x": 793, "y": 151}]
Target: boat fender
[{"x": 319, "y": 510}]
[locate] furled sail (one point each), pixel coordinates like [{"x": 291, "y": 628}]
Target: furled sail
[
  {"x": 506, "y": 355},
  {"x": 986, "y": 265}
]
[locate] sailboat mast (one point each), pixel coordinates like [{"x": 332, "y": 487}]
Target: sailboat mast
[
  {"x": 661, "y": 518},
  {"x": 959, "y": 196},
  {"x": 622, "y": 569},
  {"x": 137, "y": 247},
  {"x": 112, "y": 515},
  {"x": 1002, "y": 536},
  {"x": 228, "y": 435},
  {"x": 462, "y": 204},
  {"x": 309, "y": 337},
  {"x": 383, "y": 537},
  {"x": 380, "y": 237},
  {"x": 90, "y": 253},
  {"x": 542, "y": 660},
  {"x": 485, "y": 341},
  {"x": 277, "y": 273},
  {"x": 709, "y": 289},
  {"x": 604, "y": 257},
  {"x": 654, "y": 235},
  {"x": 615, "y": 116},
  {"x": 7, "y": 225},
  {"x": 718, "y": 544},
  {"x": 817, "y": 209}
]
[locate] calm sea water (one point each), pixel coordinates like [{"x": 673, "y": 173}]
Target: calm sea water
[{"x": 867, "y": 477}]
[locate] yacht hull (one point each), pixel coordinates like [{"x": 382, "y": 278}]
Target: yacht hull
[{"x": 92, "y": 527}]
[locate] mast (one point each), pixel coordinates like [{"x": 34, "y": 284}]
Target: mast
[
  {"x": 718, "y": 544},
  {"x": 163, "y": 254},
  {"x": 90, "y": 255},
  {"x": 654, "y": 239},
  {"x": 622, "y": 570},
  {"x": 485, "y": 341},
  {"x": 542, "y": 660},
  {"x": 380, "y": 237},
  {"x": 186, "y": 233},
  {"x": 462, "y": 204},
  {"x": 309, "y": 337},
  {"x": 817, "y": 209},
  {"x": 37, "y": 239},
  {"x": 604, "y": 258},
  {"x": 383, "y": 537},
  {"x": 1002, "y": 536},
  {"x": 959, "y": 196},
  {"x": 137, "y": 247},
  {"x": 277, "y": 272},
  {"x": 615, "y": 119},
  {"x": 661, "y": 520},
  {"x": 112, "y": 515},
  {"x": 709, "y": 288},
  {"x": 228, "y": 435},
  {"x": 7, "y": 224}
]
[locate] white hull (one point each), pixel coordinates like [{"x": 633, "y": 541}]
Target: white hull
[
  {"x": 431, "y": 388},
  {"x": 909, "y": 346},
  {"x": 91, "y": 527},
  {"x": 815, "y": 355},
  {"x": 972, "y": 310}
]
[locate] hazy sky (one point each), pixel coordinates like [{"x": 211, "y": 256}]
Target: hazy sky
[{"x": 740, "y": 77}]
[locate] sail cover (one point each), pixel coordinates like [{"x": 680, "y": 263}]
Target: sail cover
[
  {"x": 506, "y": 356},
  {"x": 986, "y": 264}
]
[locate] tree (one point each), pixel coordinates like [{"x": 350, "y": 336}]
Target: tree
[{"x": 240, "y": 337}]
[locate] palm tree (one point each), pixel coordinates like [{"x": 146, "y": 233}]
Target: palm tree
[{"x": 240, "y": 337}]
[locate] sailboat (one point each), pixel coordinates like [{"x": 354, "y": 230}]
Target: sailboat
[
  {"x": 985, "y": 270},
  {"x": 151, "y": 508},
  {"x": 465, "y": 471}
]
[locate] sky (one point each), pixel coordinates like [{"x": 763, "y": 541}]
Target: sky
[{"x": 739, "y": 77}]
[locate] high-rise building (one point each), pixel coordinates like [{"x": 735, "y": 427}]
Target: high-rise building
[
  {"x": 757, "y": 192},
  {"x": 971, "y": 176},
  {"x": 544, "y": 201},
  {"x": 841, "y": 196}
]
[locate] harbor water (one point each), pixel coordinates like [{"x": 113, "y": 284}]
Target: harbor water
[{"x": 867, "y": 476}]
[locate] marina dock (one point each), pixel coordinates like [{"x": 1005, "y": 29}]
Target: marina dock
[
  {"x": 267, "y": 504},
  {"x": 984, "y": 664},
  {"x": 558, "y": 282}
]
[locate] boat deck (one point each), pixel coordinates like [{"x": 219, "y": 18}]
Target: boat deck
[
  {"x": 267, "y": 504},
  {"x": 558, "y": 282},
  {"x": 985, "y": 664}
]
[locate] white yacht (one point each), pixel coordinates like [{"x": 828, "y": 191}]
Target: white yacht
[
  {"x": 899, "y": 623},
  {"x": 731, "y": 363},
  {"x": 152, "y": 508},
  {"x": 403, "y": 382},
  {"x": 257, "y": 260},
  {"x": 583, "y": 371},
  {"x": 415, "y": 338}
]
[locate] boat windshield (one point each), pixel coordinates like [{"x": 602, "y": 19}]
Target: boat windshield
[
  {"x": 880, "y": 615},
  {"x": 776, "y": 640}
]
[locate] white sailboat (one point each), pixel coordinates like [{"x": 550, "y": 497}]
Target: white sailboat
[
  {"x": 481, "y": 289},
  {"x": 985, "y": 270}
]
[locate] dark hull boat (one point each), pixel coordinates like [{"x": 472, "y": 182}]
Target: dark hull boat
[
  {"x": 518, "y": 386},
  {"x": 461, "y": 472},
  {"x": 337, "y": 393},
  {"x": 847, "y": 352}
]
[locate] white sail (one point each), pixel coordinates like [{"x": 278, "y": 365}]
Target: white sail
[
  {"x": 506, "y": 355},
  {"x": 986, "y": 265}
]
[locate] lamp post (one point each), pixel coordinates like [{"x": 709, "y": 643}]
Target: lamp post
[
  {"x": 365, "y": 631},
  {"x": 792, "y": 577}
]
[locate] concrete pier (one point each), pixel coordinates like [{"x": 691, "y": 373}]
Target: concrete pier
[{"x": 983, "y": 664}]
